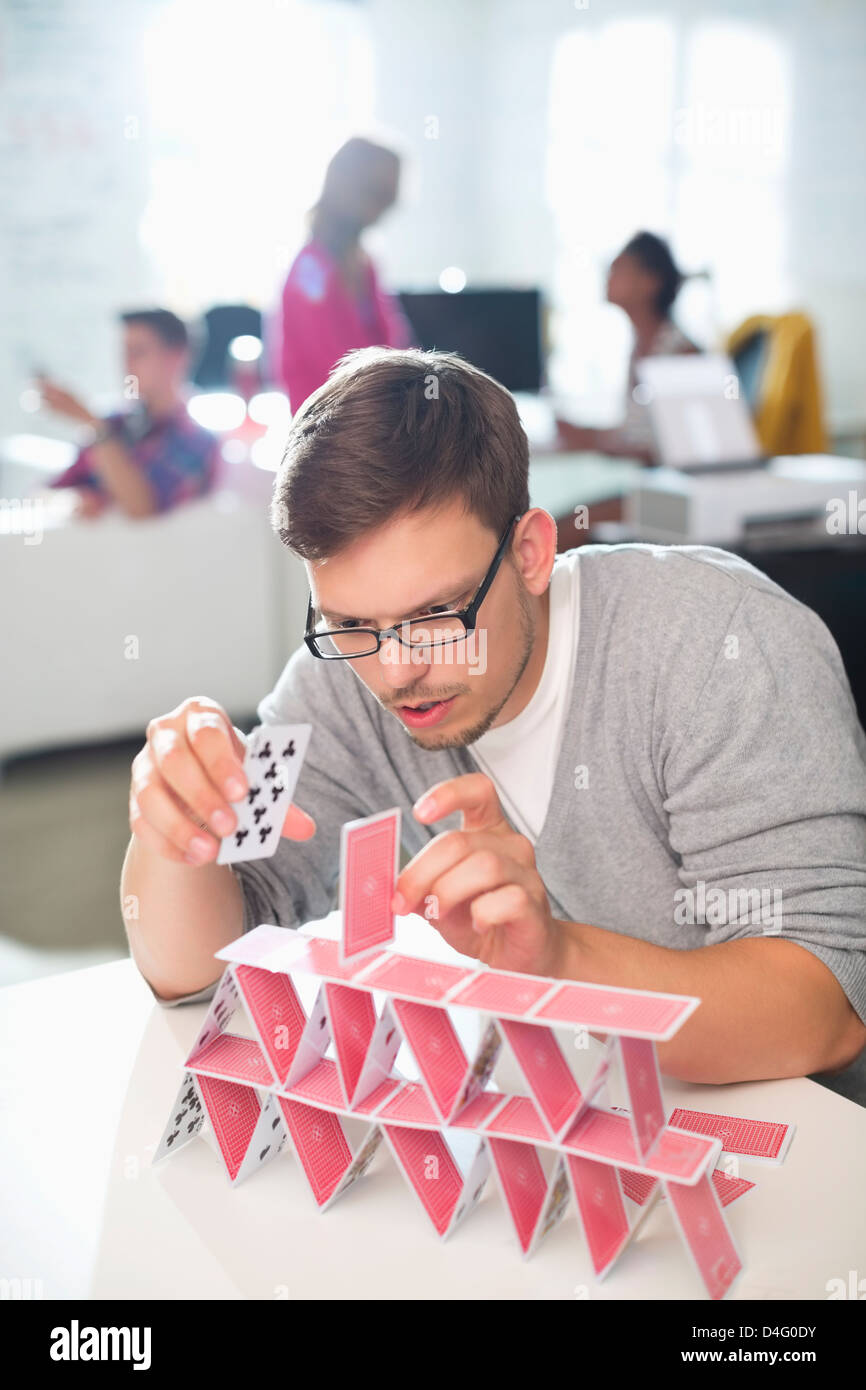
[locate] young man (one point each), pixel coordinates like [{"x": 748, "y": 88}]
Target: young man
[
  {"x": 154, "y": 456},
  {"x": 649, "y": 747}
]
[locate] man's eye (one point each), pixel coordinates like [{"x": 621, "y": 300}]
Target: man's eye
[{"x": 438, "y": 608}]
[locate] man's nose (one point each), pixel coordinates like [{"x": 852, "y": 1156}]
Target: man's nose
[{"x": 400, "y": 666}]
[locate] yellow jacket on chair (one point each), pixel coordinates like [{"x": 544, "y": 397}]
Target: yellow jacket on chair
[{"x": 788, "y": 411}]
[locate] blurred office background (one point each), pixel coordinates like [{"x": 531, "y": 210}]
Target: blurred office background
[{"x": 167, "y": 151}]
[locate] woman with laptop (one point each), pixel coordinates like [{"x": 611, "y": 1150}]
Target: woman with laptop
[{"x": 643, "y": 280}]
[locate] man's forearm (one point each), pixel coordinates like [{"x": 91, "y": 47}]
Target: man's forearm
[
  {"x": 769, "y": 1008},
  {"x": 176, "y": 917},
  {"x": 126, "y": 483}
]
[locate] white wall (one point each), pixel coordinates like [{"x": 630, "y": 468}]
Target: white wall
[
  {"x": 823, "y": 270},
  {"x": 72, "y": 186},
  {"x": 76, "y": 169}
]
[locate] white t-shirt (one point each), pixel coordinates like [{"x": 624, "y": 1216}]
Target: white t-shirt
[{"x": 520, "y": 756}]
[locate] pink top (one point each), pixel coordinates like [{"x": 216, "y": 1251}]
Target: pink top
[{"x": 321, "y": 319}]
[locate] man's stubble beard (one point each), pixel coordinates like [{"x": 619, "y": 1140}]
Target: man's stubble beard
[{"x": 526, "y": 635}]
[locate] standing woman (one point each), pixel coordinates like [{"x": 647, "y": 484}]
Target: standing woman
[
  {"x": 332, "y": 300},
  {"x": 643, "y": 281}
]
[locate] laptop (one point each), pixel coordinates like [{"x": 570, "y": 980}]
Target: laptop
[{"x": 700, "y": 419}]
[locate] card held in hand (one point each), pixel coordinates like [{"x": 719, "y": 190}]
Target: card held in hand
[
  {"x": 369, "y": 860},
  {"x": 272, "y": 764}
]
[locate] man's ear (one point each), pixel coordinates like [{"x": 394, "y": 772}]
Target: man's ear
[{"x": 534, "y": 549}]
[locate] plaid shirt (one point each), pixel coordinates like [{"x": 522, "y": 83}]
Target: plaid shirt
[{"x": 177, "y": 456}]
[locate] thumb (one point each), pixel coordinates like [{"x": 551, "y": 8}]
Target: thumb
[{"x": 298, "y": 825}]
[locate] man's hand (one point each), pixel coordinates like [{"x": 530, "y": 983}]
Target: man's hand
[
  {"x": 479, "y": 885},
  {"x": 65, "y": 403},
  {"x": 183, "y": 779}
]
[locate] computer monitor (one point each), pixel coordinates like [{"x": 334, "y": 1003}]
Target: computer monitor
[{"x": 496, "y": 330}]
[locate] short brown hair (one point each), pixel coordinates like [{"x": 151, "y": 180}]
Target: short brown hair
[{"x": 393, "y": 431}]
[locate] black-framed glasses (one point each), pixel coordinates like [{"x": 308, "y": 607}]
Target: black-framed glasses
[{"x": 418, "y": 634}]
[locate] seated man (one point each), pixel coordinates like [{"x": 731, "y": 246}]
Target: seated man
[
  {"x": 646, "y": 758},
  {"x": 154, "y": 456}
]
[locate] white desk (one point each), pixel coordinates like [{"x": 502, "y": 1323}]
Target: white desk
[{"x": 91, "y": 1066}]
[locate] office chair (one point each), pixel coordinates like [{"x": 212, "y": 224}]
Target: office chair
[{"x": 777, "y": 365}]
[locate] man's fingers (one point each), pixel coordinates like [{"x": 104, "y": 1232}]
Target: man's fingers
[
  {"x": 473, "y": 793},
  {"x": 218, "y": 748},
  {"x": 298, "y": 825},
  {"x": 185, "y": 776},
  {"x": 477, "y": 875},
  {"x": 506, "y": 905},
  {"x": 449, "y": 849},
  {"x": 157, "y": 818}
]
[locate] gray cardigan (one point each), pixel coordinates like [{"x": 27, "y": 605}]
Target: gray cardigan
[{"x": 710, "y": 785}]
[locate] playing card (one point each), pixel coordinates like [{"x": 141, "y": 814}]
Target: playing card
[
  {"x": 429, "y": 1167},
  {"x": 474, "y": 1115},
  {"x": 219, "y": 1014},
  {"x": 185, "y": 1121},
  {"x": 602, "y": 1210},
  {"x": 643, "y": 1083},
  {"x": 257, "y": 946},
  {"x": 269, "y": 1138},
  {"x": 501, "y": 992},
  {"x": 361, "y": 1162},
  {"x": 272, "y": 765},
  {"x": 352, "y": 1016},
  {"x": 546, "y": 1071},
  {"x": 319, "y": 955},
  {"x": 369, "y": 862},
  {"x": 728, "y": 1188},
  {"x": 427, "y": 980},
  {"x": 235, "y": 1059},
  {"x": 705, "y": 1232},
  {"x": 410, "y": 1106},
  {"x": 276, "y": 1013},
  {"x": 321, "y": 1145},
  {"x": 523, "y": 1184},
  {"x": 379, "y": 1060},
  {"x": 233, "y": 1112},
  {"x": 481, "y": 1070},
  {"x": 601, "y": 1134},
  {"x": 518, "y": 1119},
  {"x": 559, "y": 1192},
  {"x": 313, "y": 1042},
  {"x": 321, "y": 1086},
  {"x": 638, "y": 1187},
  {"x": 474, "y": 1181},
  {"x": 641, "y": 1012},
  {"x": 377, "y": 1097},
  {"x": 433, "y": 1042},
  {"x": 755, "y": 1139}
]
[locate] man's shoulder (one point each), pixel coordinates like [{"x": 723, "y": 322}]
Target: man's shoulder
[{"x": 660, "y": 575}]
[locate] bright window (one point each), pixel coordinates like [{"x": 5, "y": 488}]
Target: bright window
[
  {"x": 246, "y": 104},
  {"x": 679, "y": 129}
]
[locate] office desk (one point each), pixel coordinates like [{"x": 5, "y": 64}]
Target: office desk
[
  {"x": 561, "y": 482},
  {"x": 90, "y": 1070}
]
